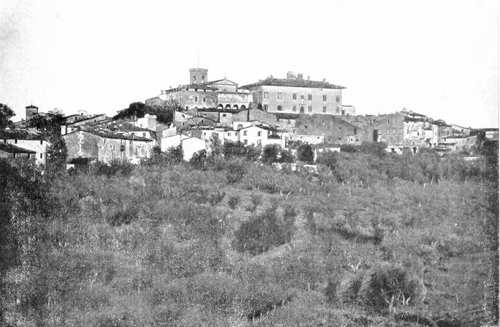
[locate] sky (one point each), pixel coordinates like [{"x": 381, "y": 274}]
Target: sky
[{"x": 438, "y": 58}]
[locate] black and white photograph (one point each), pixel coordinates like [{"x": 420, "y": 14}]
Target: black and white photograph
[{"x": 249, "y": 163}]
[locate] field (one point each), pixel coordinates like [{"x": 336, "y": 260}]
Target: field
[{"x": 371, "y": 240}]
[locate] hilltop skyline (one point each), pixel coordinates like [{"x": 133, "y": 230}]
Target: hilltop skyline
[{"x": 436, "y": 59}]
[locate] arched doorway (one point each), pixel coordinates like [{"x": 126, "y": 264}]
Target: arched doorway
[
  {"x": 228, "y": 106},
  {"x": 243, "y": 107},
  {"x": 235, "y": 107},
  {"x": 220, "y": 106}
]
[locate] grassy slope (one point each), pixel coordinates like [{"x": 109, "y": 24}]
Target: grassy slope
[{"x": 174, "y": 263}]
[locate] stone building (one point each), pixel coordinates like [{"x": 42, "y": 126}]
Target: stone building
[
  {"x": 334, "y": 129},
  {"x": 28, "y": 140},
  {"x": 295, "y": 94},
  {"x": 11, "y": 151},
  {"x": 226, "y": 117},
  {"x": 202, "y": 93},
  {"x": 403, "y": 129},
  {"x": 107, "y": 146}
]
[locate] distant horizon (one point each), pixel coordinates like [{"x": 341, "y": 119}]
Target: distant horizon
[{"x": 439, "y": 59}]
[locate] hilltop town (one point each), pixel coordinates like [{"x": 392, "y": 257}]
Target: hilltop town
[
  {"x": 204, "y": 113},
  {"x": 267, "y": 204}
]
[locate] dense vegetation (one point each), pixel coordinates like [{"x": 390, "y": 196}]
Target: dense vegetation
[
  {"x": 164, "y": 113},
  {"x": 372, "y": 239}
]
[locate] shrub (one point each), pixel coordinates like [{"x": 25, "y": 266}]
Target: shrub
[
  {"x": 259, "y": 234},
  {"x": 198, "y": 160},
  {"x": 233, "y": 201},
  {"x": 286, "y": 156},
  {"x": 216, "y": 197},
  {"x": 234, "y": 149},
  {"x": 348, "y": 148},
  {"x": 253, "y": 153},
  {"x": 255, "y": 201},
  {"x": 383, "y": 286},
  {"x": 305, "y": 153},
  {"x": 270, "y": 153},
  {"x": 174, "y": 155},
  {"x": 122, "y": 217},
  {"x": 115, "y": 167},
  {"x": 235, "y": 171}
]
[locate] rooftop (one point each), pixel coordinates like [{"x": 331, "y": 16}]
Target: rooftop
[
  {"x": 11, "y": 148},
  {"x": 20, "y": 134},
  {"x": 299, "y": 82},
  {"x": 110, "y": 134}
]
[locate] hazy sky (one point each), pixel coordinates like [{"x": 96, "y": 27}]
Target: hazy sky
[{"x": 434, "y": 57}]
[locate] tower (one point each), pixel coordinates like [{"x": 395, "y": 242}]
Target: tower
[
  {"x": 198, "y": 75},
  {"x": 31, "y": 111}
]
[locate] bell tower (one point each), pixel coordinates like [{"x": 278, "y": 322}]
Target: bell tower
[
  {"x": 198, "y": 75},
  {"x": 31, "y": 111}
]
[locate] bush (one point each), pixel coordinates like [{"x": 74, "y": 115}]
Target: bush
[
  {"x": 235, "y": 171},
  {"x": 234, "y": 149},
  {"x": 259, "y": 234},
  {"x": 122, "y": 217},
  {"x": 384, "y": 286},
  {"x": 253, "y": 153},
  {"x": 255, "y": 201},
  {"x": 305, "y": 153},
  {"x": 116, "y": 167},
  {"x": 233, "y": 201},
  {"x": 270, "y": 153},
  {"x": 286, "y": 156},
  {"x": 198, "y": 160}
]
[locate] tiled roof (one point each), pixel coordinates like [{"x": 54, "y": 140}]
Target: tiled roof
[
  {"x": 293, "y": 83},
  {"x": 203, "y": 86},
  {"x": 11, "y": 148},
  {"x": 111, "y": 134},
  {"x": 81, "y": 118},
  {"x": 286, "y": 115},
  {"x": 20, "y": 134},
  {"x": 123, "y": 126},
  {"x": 234, "y": 111}
]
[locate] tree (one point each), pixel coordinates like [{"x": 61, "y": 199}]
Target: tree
[
  {"x": 286, "y": 156},
  {"x": 135, "y": 109},
  {"x": 5, "y": 115},
  {"x": 164, "y": 112},
  {"x": 56, "y": 156},
  {"x": 270, "y": 153},
  {"x": 305, "y": 153},
  {"x": 199, "y": 159},
  {"x": 48, "y": 124},
  {"x": 234, "y": 149}
]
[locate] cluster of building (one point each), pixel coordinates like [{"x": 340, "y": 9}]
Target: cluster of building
[{"x": 281, "y": 111}]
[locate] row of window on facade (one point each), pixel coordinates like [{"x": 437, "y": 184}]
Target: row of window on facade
[
  {"x": 15, "y": 141},
  {"x": 259, "y": 133},
  {"x": 302, "y": 96},
  {"x": 28, "y": 155},
  {"x": 309, "y": 109},
  {"x": 196, "y": 99}
]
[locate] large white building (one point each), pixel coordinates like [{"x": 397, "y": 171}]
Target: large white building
[{"x": 294, "y": 94}]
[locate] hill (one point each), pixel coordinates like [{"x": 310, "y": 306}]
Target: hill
[{"x": 237, "y": 243}]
